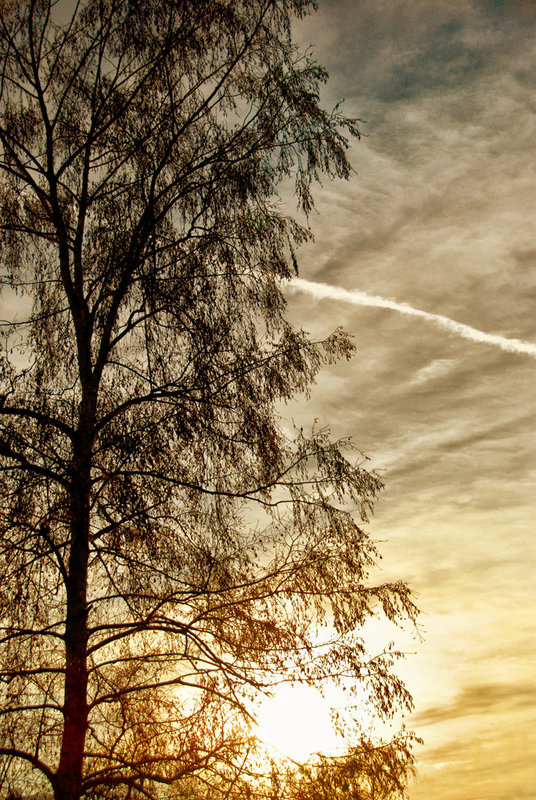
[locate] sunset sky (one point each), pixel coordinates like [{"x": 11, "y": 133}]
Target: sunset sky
[
  {"x": 440, "y": 217},
  {"x": 427, "y": 257}
]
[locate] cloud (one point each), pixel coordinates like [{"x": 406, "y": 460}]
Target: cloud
[
  {"x": 438, "y": 368},
  {"x": 324, "y": 291},
  {"x": 482, "y": 699},
  {"x": 439, "y": 216}
]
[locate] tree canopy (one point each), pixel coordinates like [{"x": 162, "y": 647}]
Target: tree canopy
[{"x": 169, "y": 548}]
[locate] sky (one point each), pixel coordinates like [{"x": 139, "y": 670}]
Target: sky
[{"x": 427, "y": 256}]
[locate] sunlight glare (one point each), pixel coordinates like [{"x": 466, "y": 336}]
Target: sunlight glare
[{"x": 297, "y": 723}]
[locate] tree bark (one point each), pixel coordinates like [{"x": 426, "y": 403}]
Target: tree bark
[{"x": 75, "y": 708}]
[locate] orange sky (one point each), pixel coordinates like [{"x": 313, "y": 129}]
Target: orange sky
[{"x": 440, "y": 216}]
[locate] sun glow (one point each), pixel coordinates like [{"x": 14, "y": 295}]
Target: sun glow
[{"x": 297, "y": 723}]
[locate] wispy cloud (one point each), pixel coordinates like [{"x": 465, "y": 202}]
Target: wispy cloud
[
  {"x": 324, "y": 291},
  {"x": 439, "y": 216},
  {"x": 481, "y": 699}
]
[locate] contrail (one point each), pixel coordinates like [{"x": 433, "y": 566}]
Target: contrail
[{"x": 323, "y": 291}]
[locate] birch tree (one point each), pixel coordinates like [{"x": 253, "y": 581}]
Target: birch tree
[{"x": 168, "y": 549}]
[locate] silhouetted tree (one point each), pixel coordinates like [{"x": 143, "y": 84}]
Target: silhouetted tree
[
  {"x": 166, "y": 546},
  {"x": 368, "y": 771}
]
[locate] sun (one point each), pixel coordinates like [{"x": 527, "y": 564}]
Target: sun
[{"x": 297, "y": 723}]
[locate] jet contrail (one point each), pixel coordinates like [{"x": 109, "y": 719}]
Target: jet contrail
[{"x": 323, "y": 291}]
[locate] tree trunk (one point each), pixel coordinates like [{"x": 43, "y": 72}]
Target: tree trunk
[
  {"x": 75, "y": 709},
  {"x": 69, "y": 774}
]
